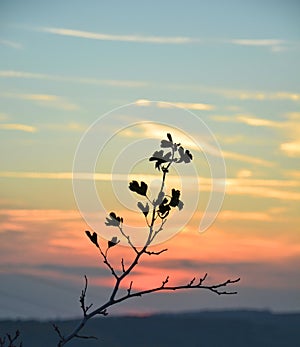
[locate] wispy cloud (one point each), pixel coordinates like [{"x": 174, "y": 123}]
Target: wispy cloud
[
  {"x": 93, "y": 81},
  {"x": 44, "y": 100},
  {"x": 120, "y": 38},
  {"x": 289, "y": 126},
  {"x": 158, "y": 132},
  {"x": 263, "y": 188},
  {"x": 270, "y": 189},
  {"x": 256, "y": 95},
  {"x": 186, "y": 105},
  {"x": 275, "y": 44},
  {"x": 291, "y": 149},
  {"x": 233, "y": 215},
  {"x": 20, "y": 127},
  {"x": 292, "y": 174},
  {"x": 247, "y": 159},
  {"x": 249, "y": 120},
  {"x": 11, "y": 44},
  {"x": 257, "y": 42}
]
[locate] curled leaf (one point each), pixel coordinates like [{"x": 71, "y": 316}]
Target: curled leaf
[
  {"x": 144, "y": 209},
  {"x": 93, "y": 237},
  {"x": 113, "y": 220},
  {"x": 114, "y": 241},
  {"x": 139, "y": 189}
]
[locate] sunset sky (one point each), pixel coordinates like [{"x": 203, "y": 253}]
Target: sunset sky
[{"x": 65, "y": 65}]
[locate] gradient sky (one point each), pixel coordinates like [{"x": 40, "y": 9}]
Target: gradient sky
[{"x": 234, "y": 64}]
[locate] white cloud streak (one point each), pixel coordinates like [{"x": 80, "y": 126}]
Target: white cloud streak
[
  {"x": 256, "y": 95},
  {"x": 257, "y": 188},
  {"x": 120, "y": 38},
  {"x": 11, "y": 44},
  {"x": 44, "y": 100},
  {"x": 291, "y": 149},
  {"x": 257, "y": 42},
  {"x": 20, "y": 127},
  {"x": 290, "y": 127},
  {"x": 276, "y": 45},
  {"x": 93, "y": 81},
  {"x": 186, "y": 105}
]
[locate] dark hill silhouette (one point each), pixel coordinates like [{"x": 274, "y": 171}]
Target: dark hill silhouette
[{"x": 194, "y": 329}]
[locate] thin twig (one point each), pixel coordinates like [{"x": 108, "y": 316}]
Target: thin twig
[
  {"x": 82, "y": 298},
  {"x": 156, "y": 253},
  {"x": 127, "y": 237},
  {"x": 123, "y": 266}
]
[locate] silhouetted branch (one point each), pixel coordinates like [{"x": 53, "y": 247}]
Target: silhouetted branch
[
  {"x": 128, "y": 239},
  {"x": 156, "y": 253},
  {"x": 86, "y": 337},
  {"x": 160, "y": 209},
  {"x": 82, "y": 298},
  {"x": 10, "y": 339},
  {"x": 107, "y": 263},
  {"x": 123, "y": 266},
  {"x": 129, "y": 289}
]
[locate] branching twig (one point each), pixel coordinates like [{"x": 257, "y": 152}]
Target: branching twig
[
  {"x": 86, "y": 337},
  {"x": 161, "y": 206},
  {"x": 129, "y": 289},
  {"x": 123, "y": 266},
  {"x": 128, "y": 239},
  {"x": 11, "y": 340},
  {"x": 107, "y": 263},
  {"x": 156, "y": 253},
  {"x": 82, "y": 298}
]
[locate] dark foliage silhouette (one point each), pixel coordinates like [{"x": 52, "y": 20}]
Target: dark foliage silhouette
[{"x": 155, "y": 213}]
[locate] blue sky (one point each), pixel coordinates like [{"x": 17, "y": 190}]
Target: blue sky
[{"x": 234, "y": 64}]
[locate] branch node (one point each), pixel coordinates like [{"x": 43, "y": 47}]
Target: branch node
[
  {"x": 165, "y": 282},
  {"x": 192, "y": 281},
  {"x": 129, "y": 289}
]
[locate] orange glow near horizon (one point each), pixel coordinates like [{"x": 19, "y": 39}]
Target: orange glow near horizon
[{"x": 189, "y": 254}]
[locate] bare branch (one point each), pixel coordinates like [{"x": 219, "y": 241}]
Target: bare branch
[
  {"x": 165, "y": 282},
  {"x": 82, "y": 298},
  {"x": 156, "y": 253},
  {"x": 202, "y": 279},
  {"x": 127, "y": 237},
  {"x": 129, "y": 289},
  {"x": 213, "y": 288},
  {"x": 123, "y": 266},
  {"x": 86, "y": 337},
  {"x": 191, "y": 282},
  {"x": 56, "y": 328},
  {"x": 107, "y": 263}
]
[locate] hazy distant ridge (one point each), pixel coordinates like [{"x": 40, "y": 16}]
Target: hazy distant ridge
[{"x": 194, "y": 329}]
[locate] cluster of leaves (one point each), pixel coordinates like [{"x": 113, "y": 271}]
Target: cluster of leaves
[
  {"x": 112, "y": 220},
  {"x": 171, "y": 153}
]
